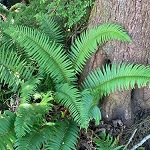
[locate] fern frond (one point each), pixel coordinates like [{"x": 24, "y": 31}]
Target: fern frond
[
  {"x": 3, "y": 9},
  {"x": 28, "y": 88},
  {"x": 70, "y": 97},
  {"x": 12, "y": 68},
  {"x": 50, "y": 27},
  {"x": 28, "y": 115},
  {"x": 121, "y": 77},
  {"x": 80, "y": 105},
  {"x": 106, "y": 142},
  {"x": 65, "y": 136},
  {"x": 49, "y": 55},
  {"x": 95, "y": 114},
  {"x": 47, "y": 97},
  {"x": 35, "y": 139},
  {"x": 7, "y": 133},
  {"x": 85, "y": 45},
  {"x": 90, "y": 109}
]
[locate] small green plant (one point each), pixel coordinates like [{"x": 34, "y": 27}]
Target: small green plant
[
  {"x": 106, "y": 142},
  {"x": 73, "y": 15},
  {"x": 72, "y": 12},
  {"x": 37, "y": 67}
]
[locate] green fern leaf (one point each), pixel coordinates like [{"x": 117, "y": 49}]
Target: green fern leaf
[
  {"x": 7, "y": 134},
  {"x": 70, "y": 97},
  {"x": 106, "y": 142},
  {"x": 28, "y": 115},
  {"x": 49, "y": 55},
  {"x": 121, "y": 77},
  {"x": 65, "y": 136},
  {"x": 47, "y": 98},
  {"x": 3, "y": 9},
  {"x": 12, "y": 68},
  {"x": 80, "y": 105},
  {"x": 95, "y": 114},
  {"x": 28, "y": 89},
  {"x": 90, "y": 110},
  {"x": 50, "y": 27},
  {"x": 88, "y": 42},
  {"x": 35, "y": 139}
]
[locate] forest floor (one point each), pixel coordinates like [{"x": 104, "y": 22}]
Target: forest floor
[{"x": 117, "y": 129}]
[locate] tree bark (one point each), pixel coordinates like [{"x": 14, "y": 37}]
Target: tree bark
[{"x": 134, "y": 16}]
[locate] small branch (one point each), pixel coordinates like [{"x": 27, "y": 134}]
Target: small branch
[
  {"x": 130, "y": 139},
  {"x": 3, "y": 17},
  {"x": 77, "y": 32},
  {"x": 140, "y": 143}
]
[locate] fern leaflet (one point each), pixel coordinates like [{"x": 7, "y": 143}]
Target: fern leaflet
[{"x": 90, "y": 109}]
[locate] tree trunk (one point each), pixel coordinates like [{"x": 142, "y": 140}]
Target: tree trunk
[{"x": 134, "y": 16}]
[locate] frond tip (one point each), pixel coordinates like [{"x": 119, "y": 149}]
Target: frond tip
[
  {"x": 50, "y": 27},
  {"x": 88, "y": 42}
]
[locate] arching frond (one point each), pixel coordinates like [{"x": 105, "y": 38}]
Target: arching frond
[
  {"x": 121, "y": 77},
  {"x": 28, "y": 115},
  {"x": 7, "y": 133},
  {"x": 80, "y": 105},
  {"x": 35, "y": 139},
  {"x": 85, "y": 45},
  {"x": 65, "y": 136},
  {"x": 70, "y": 97},
  {"x": 50, "y": 27},
  {"x": 12, "y": 68},
  {"x": 49, "y": 56}
]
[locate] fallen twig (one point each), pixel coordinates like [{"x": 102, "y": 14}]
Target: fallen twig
[
  {"x": 141, "y": 142},
  {"x": 2, "y": 17},
  {"x": 130, "y": 139}
]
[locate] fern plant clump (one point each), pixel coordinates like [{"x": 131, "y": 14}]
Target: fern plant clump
[
  {"x": 106, "y": 142},
  {"x": 36, "y": 66}
]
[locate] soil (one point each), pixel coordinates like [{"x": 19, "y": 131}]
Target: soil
[{"x": 118, "y": 130}]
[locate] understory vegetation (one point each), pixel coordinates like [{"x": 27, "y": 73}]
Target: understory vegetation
[{"x": 43, "y": 107}]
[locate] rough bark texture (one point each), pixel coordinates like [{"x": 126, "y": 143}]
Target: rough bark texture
[{"x": 134, "y": 16}]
